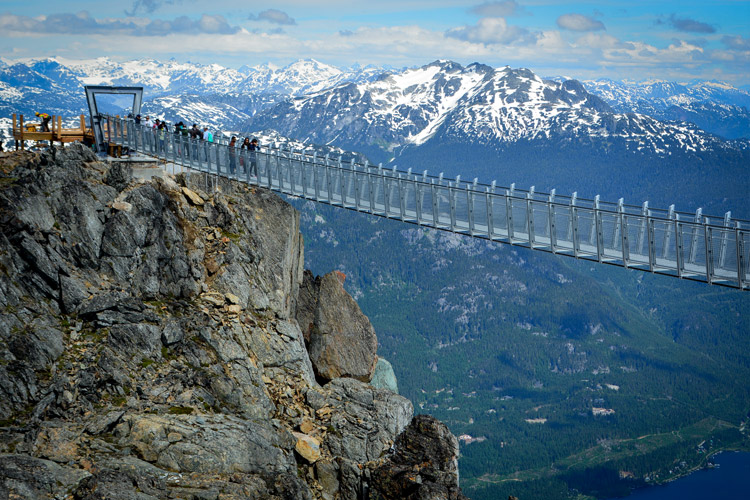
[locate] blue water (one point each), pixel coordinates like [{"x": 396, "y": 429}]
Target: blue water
[{"x": 730, "y": 481}]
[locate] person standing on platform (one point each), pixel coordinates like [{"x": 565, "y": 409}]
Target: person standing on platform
[
  {"x": 232, "y": 151},
  {"x": 45, "y": 121}
]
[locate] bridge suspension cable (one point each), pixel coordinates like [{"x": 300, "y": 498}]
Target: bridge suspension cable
[{"x": 715, "y": 250}]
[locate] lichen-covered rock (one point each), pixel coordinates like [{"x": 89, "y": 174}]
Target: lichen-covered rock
[
  {"x": 342, "y": 340},
  {"x": 384, "y": 377}
]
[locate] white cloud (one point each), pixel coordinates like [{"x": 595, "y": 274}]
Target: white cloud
[
  {"x": 579, "y": 22},
  {"x": 273, "y": 16},
  {"x": 505, "y": 8},
  {"x": 491, "y": 30}
]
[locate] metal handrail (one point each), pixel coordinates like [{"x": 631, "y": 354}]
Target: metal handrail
[{"x": 714, "y": 250}]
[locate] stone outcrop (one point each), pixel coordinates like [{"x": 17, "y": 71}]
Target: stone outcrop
[
  {"x": 342, "y": 342},
  {"x": 423, "y": 465},
  {"x": 150, "y": 344}
]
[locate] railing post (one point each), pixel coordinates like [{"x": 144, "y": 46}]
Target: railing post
[
  {"x": 668, "y": 232},
  {"x": 642, "y": 230},
  {"x": 434, "y": 201},
  {"x": 624, "y": 233},
  {"x": 316, "y": 190},
  {"x": 598, "y": 228},
  {"x": 741, "y": 264},
  {"x": 386, "y": 193},
  {"x": 290, "y": 167},
  {"x": 329, "y": 182},
  {"x": 709, "y": 253},
  {"x": 694, "y": 238},
  {"x": 574, "y": 224},
  {"x": 651, "y": 243},
  {"x": 452, "y": 191},
  {"x": 371, "y": 188},
  {"x": 401, "y": 196},
  {"x": 551, "y": 221},
  {"x": 530, "y": 216},
  {"x": 509, "y": 210},
  {"x": 356, "y": 183},
  {"x": 679, "y": 257},
  {"x": 724, "y": 239},
  {"x": 470, "y": 200},
  {"x": 340, "y": 166},
  {"x": 490, "y": 224}
]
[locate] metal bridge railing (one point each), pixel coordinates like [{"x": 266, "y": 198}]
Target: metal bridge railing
[{"x": 690, "y": 246}]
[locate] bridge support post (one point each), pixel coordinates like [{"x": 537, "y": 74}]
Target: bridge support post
[
  {"x": 651, "y": 244},
  {"x": 679, "y": 256},
  {"x": 574, "y": 224},
  {"x": 509, "y": 210},
  {"x": 598, "y": 228},
  {"x": 724, "y": 239},
  {"x": 624, "y": 234},
  {"x": 709, "y": 253},
  {"x": 667, "y": 233},
  {"x": 329, "y": 182},
  {"x": 694, "y": 236},
  {"x": 551, "y": 221},
  {"x": 741, "y": 264},
  {"x": 490, "y": 193},
  {"x": 436, "y": 200},
  {"x": 530, "y": 216}
]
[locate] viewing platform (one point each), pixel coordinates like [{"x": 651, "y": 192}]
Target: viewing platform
[{"x": 25, "y": 131}]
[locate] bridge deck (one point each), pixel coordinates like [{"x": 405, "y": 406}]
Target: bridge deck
[{"x": 690, "y": 246}]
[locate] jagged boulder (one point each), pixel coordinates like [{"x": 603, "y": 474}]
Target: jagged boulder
[
  {"x": 342, "y": 342},
  {"x": 423, "y": 465}
]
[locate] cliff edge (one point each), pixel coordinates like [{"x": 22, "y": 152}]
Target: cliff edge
[{"x": 150, "y": 348}]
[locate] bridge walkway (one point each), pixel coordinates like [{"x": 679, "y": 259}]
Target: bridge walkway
[{"x": 714, "y": 250}]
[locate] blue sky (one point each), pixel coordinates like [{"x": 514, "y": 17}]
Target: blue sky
[{"x": 634, "y": 39}]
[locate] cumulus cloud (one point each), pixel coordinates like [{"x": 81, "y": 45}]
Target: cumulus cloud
[
  {"x": 492, "y": 30},
  {"x": 736, "y": 42},
  {"x": 148, "y": 6},
  {"x": 83, "y": 24},
  {"x": 497, "y": 9},
  {"x": 690, "y": 25},
  {"x": 579, "y": 22},
  {"x": 274, "y": 16},
  {"x": 207, "y": 24}
]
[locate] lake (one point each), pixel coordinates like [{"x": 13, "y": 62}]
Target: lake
[{"x": 729, "y": 481}]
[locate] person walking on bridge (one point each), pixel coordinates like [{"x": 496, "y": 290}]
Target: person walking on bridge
[{"x": 45, "y": 121}]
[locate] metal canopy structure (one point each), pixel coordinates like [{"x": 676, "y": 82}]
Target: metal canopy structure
[{"x": 92, "y": 91}]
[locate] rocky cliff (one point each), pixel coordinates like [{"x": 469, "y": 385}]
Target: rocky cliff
[{"x": 150, "y": 348}]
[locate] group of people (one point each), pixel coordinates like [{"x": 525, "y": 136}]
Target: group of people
[{"x": 247, "y": 148}]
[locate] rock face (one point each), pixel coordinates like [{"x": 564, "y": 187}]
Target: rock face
[
  {"x": 342, "y": 342},
  {"x": 150, "y": 344},
  {"x": 424, "y": 464}
]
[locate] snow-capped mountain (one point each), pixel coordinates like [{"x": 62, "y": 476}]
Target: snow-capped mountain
[
  {"x": 476, "y": 104},
  {"x": 171, "y": 77},
  {"x": 715, "y": 107}
]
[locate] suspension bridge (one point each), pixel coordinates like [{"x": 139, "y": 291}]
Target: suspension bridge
[{"x": 714, "y": 250}]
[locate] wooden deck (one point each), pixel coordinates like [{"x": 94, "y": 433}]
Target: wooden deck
[{"x": 32, "y": 132}]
